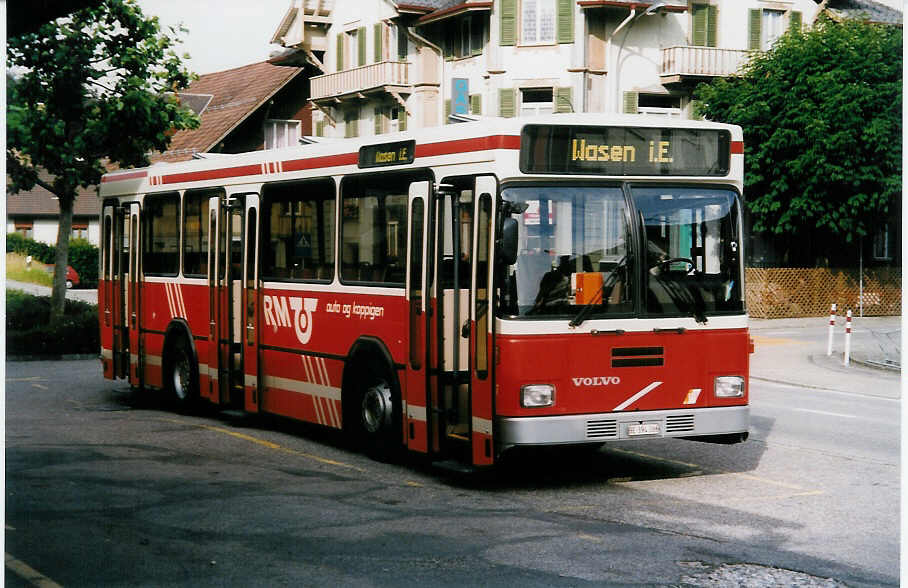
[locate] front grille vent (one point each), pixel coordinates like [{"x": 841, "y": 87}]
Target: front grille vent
[
  {"x": 679, "y": 423},
  {"x": 601, "y": 429},
  {"x": 623, "y": 357}
]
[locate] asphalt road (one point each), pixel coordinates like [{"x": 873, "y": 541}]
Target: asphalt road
[{"x": 104, "y": 487}]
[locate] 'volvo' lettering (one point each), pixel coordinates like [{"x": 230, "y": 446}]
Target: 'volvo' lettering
[{"x": 597, "y": 381}]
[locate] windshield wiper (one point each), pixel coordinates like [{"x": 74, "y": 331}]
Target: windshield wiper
[
  {"x": 606, "y": 283},
  {"x": 686, "y": 298}
]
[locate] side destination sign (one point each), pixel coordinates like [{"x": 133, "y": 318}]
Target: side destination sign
[
  {"x": 398, "y": 153},
  {"x": 624, "y": 151}
]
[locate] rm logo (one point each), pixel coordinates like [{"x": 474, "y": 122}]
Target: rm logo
[{"x": 277, "y": 314}]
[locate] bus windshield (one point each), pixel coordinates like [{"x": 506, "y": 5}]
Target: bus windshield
[{"x": 578, "y": 259}]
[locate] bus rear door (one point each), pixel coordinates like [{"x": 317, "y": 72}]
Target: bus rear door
[
  {"x": 134, "y": 293},
  {"x": 230, "y": 296}
]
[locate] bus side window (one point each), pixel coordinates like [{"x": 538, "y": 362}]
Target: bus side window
[{"x": 298, "y": 229}]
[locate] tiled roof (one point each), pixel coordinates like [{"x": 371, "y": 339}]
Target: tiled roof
[
  {"x": 866, "y": 10},
  {"x": 236, "y": 93},
  {"x": 39, "y": 202}
]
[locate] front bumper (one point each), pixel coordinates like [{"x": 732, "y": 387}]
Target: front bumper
[{"x": 615, "y": 426}]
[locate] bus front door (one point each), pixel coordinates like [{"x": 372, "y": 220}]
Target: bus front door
[
  {"x": 248, "y": 304},
  {"x": 417, "y": 415},
  {"x": 450, "y": 333},
  {"x": 482, "y": 390}
]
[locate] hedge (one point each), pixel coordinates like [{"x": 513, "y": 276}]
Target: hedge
[
  {"x": 83, "y": 256},
  {"x": 28, "y": 331}
]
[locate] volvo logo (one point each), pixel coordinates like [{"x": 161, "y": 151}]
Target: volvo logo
[{"x": 597, "y": 381}]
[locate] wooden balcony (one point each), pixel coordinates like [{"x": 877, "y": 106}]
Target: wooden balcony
[
  {"x": 385, "y": 76},
  {"x": 692, "y": 65}
]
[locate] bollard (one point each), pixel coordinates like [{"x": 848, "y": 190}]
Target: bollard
[
  {"x": 847, "y": 357},
  {"x": 831, "y": 330}
]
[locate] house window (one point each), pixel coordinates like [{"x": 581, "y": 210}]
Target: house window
[
  {"x": 536, "y": 101},
  {"x": 464, "y": 36},
  {"x": 881, "y": 243},
  {"x": 281, "y": 133},
  {"x": 351, "y": 123},
  {"x": 537, "y": 22},
  {"x": 79, "y": 230},
  {"x": 25, "y": 228},
  {"x": 659, "y": 104},
  {"x": 773, "y": 26}
]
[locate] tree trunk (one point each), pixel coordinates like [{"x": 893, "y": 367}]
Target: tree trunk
[{"x": 61, "y": 259}]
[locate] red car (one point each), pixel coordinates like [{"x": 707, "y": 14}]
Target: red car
[{"x": 72, "y": 277}]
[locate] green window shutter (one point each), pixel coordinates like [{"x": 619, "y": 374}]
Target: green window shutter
[
  {"x": 507, "y": 99},
  {"x": 377, "y": 33},
  {"x": 565, "y": 23},
  {"x": 376, "y": 116},
  {"x": 563, "y": 100},
  {"x": 401, "y": 119},
  {"x": 340, "y": 52},
  {"x": 712, "y": 23},
  {"x": 507, "y": 33},
  {"x": 700, "y": 15},
  {"x": 756, "y": 22},
  {"x": 320, "y": 128},
  {"x": 794, "y": 21},
  {"x": 401, "y": 42},
  {"x": 476, "y": 104},
  {"x": 447, "y": 110},
  {"x": 354, "y": 132},
  {"x": 361, "y": 41},
  {"x": 630, "y": 102}
]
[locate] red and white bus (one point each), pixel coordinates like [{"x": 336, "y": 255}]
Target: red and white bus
[{"x": 457, "y": 291}]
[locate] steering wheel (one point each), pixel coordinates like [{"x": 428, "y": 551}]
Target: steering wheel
[{"x": 666, "y": 263}]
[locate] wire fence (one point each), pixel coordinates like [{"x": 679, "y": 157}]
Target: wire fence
[{"x": 799, "y": 292}]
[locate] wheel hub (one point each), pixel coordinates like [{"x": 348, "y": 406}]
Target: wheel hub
[{"x": 376, "y": 408}]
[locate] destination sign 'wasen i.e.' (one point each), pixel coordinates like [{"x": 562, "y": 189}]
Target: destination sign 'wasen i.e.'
[
  {"x": 397, "y": 153},
  {"x": 623, "y": 151}
]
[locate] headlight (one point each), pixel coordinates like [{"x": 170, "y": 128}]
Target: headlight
[
  {"x": 729, "y": 387},
  {"x": 535, "y": 395}
]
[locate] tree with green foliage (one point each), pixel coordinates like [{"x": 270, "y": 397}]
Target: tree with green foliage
[
  {"x": 821, "y": 113},
  {"x": 93, "y": 89}
]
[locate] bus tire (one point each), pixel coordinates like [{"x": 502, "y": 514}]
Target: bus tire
[
  {"x": 181, "y": 380},
  {"x": 377, "y": 413}
]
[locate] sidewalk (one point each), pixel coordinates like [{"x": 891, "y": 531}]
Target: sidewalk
[
  {"x": 85, "y": 295},
  {"x": 793, "y": 351}
]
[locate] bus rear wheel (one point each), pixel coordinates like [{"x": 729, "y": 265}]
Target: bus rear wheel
[{"x": 180, "y": 377}]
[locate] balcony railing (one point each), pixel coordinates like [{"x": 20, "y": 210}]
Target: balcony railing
[
  {"x": 360, "y": 79},
  {"x": 681, "y": 62}
]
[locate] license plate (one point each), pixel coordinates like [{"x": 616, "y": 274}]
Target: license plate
[{"x": 643, "y": 429}]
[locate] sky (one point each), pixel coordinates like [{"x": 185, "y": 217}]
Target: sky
[{"x": 223, "y": 34}]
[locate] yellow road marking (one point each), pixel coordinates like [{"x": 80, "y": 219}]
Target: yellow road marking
[
  {"x": 28, "y": 573},
  {"x": 414, "y": 484},
  {"x": 590, "y": 538},
  {"x": 41, "y": 386},
  {"x": 762, "y": 340},
  {"x": 267, "y": 444},
  {"x": 28, "y": 379}
]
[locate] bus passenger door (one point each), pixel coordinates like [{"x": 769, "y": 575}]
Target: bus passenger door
[
  {"x": 482, "y": 390},
  {"x": 248, "y": 306},
  {"x": 110, "y": 295},
  {"x": 134, "y": 294},
  {"x": 416, "y": 402},
  {"x": 217, "y": 356}
]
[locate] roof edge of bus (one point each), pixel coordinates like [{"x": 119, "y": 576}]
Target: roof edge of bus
[{"x": 484, "y": 126}]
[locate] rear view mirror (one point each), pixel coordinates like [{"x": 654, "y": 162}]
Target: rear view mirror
[{"x": 507, "y": 248}]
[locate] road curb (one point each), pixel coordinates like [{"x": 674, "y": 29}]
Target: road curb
[{"x": 54, "y": 357}]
